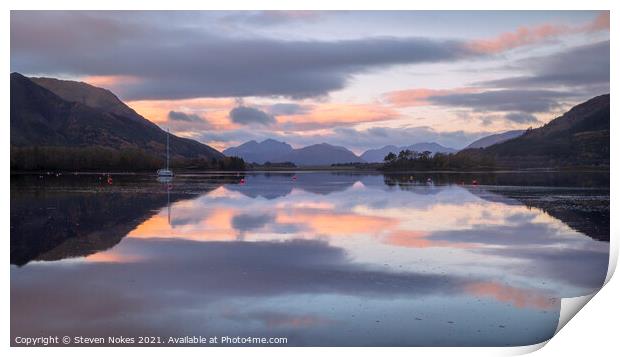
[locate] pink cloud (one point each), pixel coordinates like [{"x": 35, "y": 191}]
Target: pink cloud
[
  {"x": 524, "y": 36},
  {"x": 419, "y": 96},
  {"x": 521, "y": 298}
]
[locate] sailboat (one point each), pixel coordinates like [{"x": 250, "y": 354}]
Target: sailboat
[{"x": 166, "y": 172}]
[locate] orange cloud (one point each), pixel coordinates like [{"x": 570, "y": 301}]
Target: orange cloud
[
  {"x": 293, "y": 321},
  {"x": 333, "y": 223},
  {"x": 111, "y": 257},
  {"x": 600, "y": 23},
  {"x": 417, "y": 239},
  {"x": 521, "y": 298},
  {"x": 213, "y": 227},
  {"x": 524, "y": 36},
  {"x": 216, "y": 109},
  {"x": 419, "y": 96},
  {"x": 333, "y": 114},
  {"x": 110, "y": 82}
]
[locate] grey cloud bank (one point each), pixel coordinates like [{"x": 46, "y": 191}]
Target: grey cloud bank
[
  {"x": 185, "y": 62},
  {"x": 247, "y": 116}
]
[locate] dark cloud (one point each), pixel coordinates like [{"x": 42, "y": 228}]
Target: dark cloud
[
  {"x": 188, "y": 61},
  {"x": 521, "y": 118},
  {"x": 517, "y": 235},
  {"x": 248, "y": 116},
  {"x": 577, "y": 67},
  {"x": 288, "y": 109},
  {"x": 583, "y": 268},
  {"x": 197, "y": 276},
  {"x": 272, "y": 18},
  {"x": 509, "y": 100},
  {"x": 249, "y": 222},
  {"x": 180, "y": 116}
]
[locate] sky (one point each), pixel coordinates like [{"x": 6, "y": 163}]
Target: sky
[{"x": 360, "y": 79}]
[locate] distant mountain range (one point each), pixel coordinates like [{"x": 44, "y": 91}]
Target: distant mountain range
[
  {"x": 377, "y": 155},
  {"x": 267, "y": 150},
  {"x": 321, "y": 154},
  {"x": 494, "y": 139},
  {"x": 580, "y": 137},
  {"x": 274, "y": 151},
  {"x": 47, "y": 112}
]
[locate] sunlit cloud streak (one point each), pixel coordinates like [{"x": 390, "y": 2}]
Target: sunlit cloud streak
[{"x": 524, "y": 36}]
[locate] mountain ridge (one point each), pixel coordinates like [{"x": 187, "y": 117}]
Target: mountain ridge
[
  {"x": 579, "y": 137},
  {"x": 270, "y": 150},
  {"x": 493, "y": 139},
  {"x": 42, "y": 118}
]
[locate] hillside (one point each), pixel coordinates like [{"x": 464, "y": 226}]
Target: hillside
[
  {"x": 63, "y": 120},
  {"x": 580, "y": 137},
  {"x": 94, "y": 97},
  {"x": 494, "y": 139}
]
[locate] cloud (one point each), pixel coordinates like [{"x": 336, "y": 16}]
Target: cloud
[
  {"x": 509, "y": 100},
  {"x": 191, "y": 61},
  {"x": 272, "y": 18},
  {"x": 524, "y": 36},
  {"x": 247, "y": 116},
  {"x": 174, "y": 59},
  {"x": 420, "y": 96},
  {"x": 288, "y": 109},
  {"x": 583, "y": 268},
  {"x": 521, "y": 118},
  {"x": 580, "y": 66},
  {"x": 329, "y": 115},
  {"x": 249, "y": 222},
  {"x": 180, "y": 116}
]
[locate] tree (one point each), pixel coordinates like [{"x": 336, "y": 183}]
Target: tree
[
  {"x": 425, "y": 155},
  {"x": 389, "y": 157},
  {"x": 405, "y": 155}
]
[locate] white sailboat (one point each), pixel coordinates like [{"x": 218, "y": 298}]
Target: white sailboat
[{"x": 166, "y": 172}]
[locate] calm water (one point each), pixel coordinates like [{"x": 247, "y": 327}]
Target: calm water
[{"x": 320, "y": 258}]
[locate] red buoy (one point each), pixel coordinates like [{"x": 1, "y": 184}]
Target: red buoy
[
  {"x": 109, "y": 180},
  {"x": 474, "y": 182},
  {"x": 294, "y": 177},
  {"x": 242, "y": 181}
]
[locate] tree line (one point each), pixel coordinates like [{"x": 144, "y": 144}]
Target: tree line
[
  {"x": 425, "y": 160},
  {"x": 40, "y": 158}
]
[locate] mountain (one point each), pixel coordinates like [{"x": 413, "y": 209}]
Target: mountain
[
  {"x": 494, "y": 139},
  {"x": 78, "y": 116},
  {"x": 94, "y": 97},
  {"x": 377, "y": 155},
  {"x": 320, "y": 154},
  {"x": 276, "y": 151},
  {"x": 267, "y": 150},
  {"x": 580, "y": 137}
]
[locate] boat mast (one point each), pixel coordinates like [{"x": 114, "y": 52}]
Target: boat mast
[{"x": 168, "y": 149}]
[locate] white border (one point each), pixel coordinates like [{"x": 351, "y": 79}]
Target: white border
[{"x": 590, "y": 331}]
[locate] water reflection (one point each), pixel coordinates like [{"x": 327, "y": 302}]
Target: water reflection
[{"x": 321, "y": 258}]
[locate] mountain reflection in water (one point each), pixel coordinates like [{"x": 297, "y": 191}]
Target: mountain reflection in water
[{"x": 323, "y": 258}]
